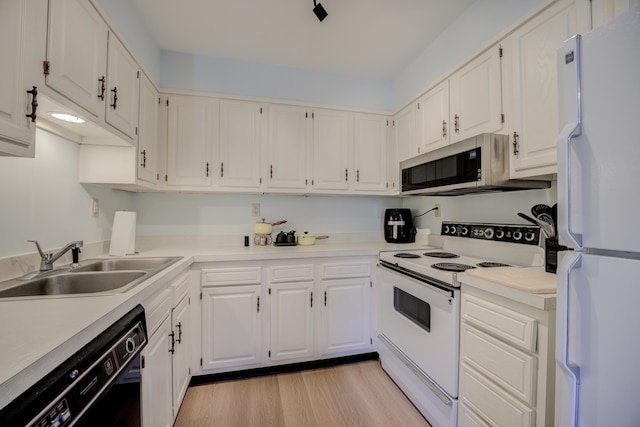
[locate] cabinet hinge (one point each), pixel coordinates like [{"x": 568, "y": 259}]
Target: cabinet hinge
[
  {"x": 138, "y": 75},
  {"x": 142, "y": 360},
  {"x": 260, "y": 110},
  {"x": 313, "y": 115},
  {"x": 502, "y": 118},
  {"x": 200, "y": 296},
  {"x": 260, "y": 180},
  {"x": 418, "y": 105},
  {"x": 500, "y": 51},
  {"x": 46, "y": 67},
  {"x": 306, "y": 115},
  {"x": 136, "y": 130},
  {"x": 159, "y": 100},
  {"x": 167, "y": 102},
  {"x": 166, "y": 178},
  {"x": 201, "y": 361},
  {"x": 371, "y": 341}
]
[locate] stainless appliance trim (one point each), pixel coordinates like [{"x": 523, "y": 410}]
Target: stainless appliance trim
[{"x": 422, "y": 376}]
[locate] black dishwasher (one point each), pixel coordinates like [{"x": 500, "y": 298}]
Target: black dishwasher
[{"x": 100, "y": 385}]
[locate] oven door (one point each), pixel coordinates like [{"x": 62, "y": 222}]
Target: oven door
[{"x": 422, "y": 322}]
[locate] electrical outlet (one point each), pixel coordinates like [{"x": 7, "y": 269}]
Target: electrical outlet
[
  {"x": 255, "y": 209},
  {"x": 95, "y": 208},
  {"x": 438, "y": 210}
]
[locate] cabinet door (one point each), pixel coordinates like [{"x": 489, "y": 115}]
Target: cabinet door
[
  {"x": 77, "y": 54},
  {"x": 231, "y": 327},
  {"x": 17, "y": 131},
  {"x": 370, "y": 153},
  {"x": 123, "y": 89},
  {"x": 182, "y": 355},
  {"x": 476, "y": 97},
  {"x": 404, "y": 128},
  {"x": 156, "y": 378},
  {"x": 393, "y": 167},
  {"x": 240, "y": 144},
  {"x": 193, "y": 122},
  {"x": 345, "y": 316},
  {"x": 148, "y": 131},
  {"x": 432, "y": 118},
  {"x": 603, "y": 11},
  {"x": 291, "y": 320},
  {"x": 534, "y": 128},
  {"x": 288, "y": 147},
  {"x": 332, "y": 149}
]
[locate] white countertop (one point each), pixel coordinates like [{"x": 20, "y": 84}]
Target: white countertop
[{"x": 39, "y": 334}]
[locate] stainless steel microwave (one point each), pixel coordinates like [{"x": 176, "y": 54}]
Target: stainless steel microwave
[{"x": 477, "y": 164}]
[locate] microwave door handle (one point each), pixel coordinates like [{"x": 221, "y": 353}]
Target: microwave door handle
[{"x": 570, "y": 113}]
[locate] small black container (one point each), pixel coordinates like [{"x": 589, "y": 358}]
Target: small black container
[
  {"x": 551, "y": 249},
  {"x": 398, "y": 226}
]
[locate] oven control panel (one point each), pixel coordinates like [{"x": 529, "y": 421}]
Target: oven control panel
[{"x": 512, "y": 233}]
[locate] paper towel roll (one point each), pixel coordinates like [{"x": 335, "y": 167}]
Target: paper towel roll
[{"x": 123, "y": 235}]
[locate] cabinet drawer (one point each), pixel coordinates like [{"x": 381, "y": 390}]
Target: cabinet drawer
[
  {"x": 180, "y": 288},
  {"x": 231, "y": 276},
  {"x": 292, "y": 273},
  {"x": 500, "y": 321},
  {"x": 467, "y": 418},
  {"x": 346, "y": 270},
  {"x": 492, "y": 403},
  {"x": 510, "y": 368},
  {"x": 156, "y": 308}
]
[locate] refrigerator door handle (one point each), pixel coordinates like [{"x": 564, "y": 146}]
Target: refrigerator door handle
[
  {"x": 570, "y": 260},
  {"x": 571, "y": 115}
]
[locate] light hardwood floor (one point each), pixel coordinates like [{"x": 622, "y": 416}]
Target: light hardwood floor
[{"x": 357, "y": 394}]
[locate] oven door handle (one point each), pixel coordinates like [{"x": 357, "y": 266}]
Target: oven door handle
[{"x": 422, "y": 376}]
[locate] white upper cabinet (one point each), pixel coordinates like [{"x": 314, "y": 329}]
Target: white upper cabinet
[
  {"x": 476, "y": 97},
  {"x": 77, "y": 54},
  {"x": 370, "y": 152},
  {"x": 148, "y": 132},
  {"x": 241, "y": 129},
  {"x": 123, "y": 89},
  {"x": 603, "y": 11},
  {"x": 332, "y": 149},
  {"x": 288, "y": 147},
  {"x": 404, "y": 131},
  {"x": 192, "y": 130},
  {"x": 19, "y": 85},
  {"x": 533, "y": 119},
  {"x": 433, "y": 119}
]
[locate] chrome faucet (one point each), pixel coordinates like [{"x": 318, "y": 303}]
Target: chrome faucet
[{"x": 47, "y": 259}]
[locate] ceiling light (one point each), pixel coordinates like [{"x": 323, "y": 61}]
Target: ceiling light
[
  {"x": 319, "y": 11},
  {"x": 67, "y": 117}
]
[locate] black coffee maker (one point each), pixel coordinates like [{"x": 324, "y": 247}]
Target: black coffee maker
[{"x": 398, "y": 226}]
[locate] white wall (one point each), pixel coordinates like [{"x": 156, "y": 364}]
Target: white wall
[
  {"x": 217, "y": 214},
  {"x": 42, "y": 200}
]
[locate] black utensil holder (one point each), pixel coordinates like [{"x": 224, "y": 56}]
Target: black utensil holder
[{"x": 551, "y": 249}]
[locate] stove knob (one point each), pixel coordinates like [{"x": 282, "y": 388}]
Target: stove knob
[
  {"x": 130, "y": 345},
  {"x": 499, "y": 233},
  {"x": 452, "y": 230},
  {"x": 464, "y": 231},
  {"x": 517, "y": 235},
  {"x": 488, "y": 233},
  {"x": 446, "y": 229},
  {"x": 529, "y": 236}
]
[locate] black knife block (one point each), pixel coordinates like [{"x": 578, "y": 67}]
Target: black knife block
[{"x": 551, "y": 249}]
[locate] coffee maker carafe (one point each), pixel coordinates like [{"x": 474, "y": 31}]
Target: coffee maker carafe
[{"x": 398, "y": 226}]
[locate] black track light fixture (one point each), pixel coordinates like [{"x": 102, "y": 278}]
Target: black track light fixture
[{"x": 319, "y": 11}]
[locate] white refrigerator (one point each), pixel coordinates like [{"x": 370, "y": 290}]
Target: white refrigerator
[{"x": 598, "y": 299}]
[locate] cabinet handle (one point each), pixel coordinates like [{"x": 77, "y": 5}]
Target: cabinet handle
[
  {"x": 444, "y": 129},
  {"x": 221, "y": 169},
  {"x": 325, "y": 298},
  {"x": 179, "y": 326},
  {"x": 456, "y": 123},
  {"x": 270, "y": 171},
  {"x": 115, "y": 97},
  {"x": 207, "y": 169},
  {"x": 102, "y": 81},
  {"x": 357, "y": 175},
  {"x": 173, "y": 343},
  {"x": 311, "y": 299},
  {"x": 346, "y": 175},
  {"x": 258, "y": 304},
  {"x": 34, "y": 103},
  {"x": 144, "y": 158},
  {"x": 516, "y": 143}
]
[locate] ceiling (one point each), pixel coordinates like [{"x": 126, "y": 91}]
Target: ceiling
[{"x": 365, "y": 38}]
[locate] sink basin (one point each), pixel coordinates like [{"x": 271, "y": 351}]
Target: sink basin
[
  {"x": 72, "y": 284},
  {"x": 92, "y": 277},
  {"x": 123, "y": 264}
]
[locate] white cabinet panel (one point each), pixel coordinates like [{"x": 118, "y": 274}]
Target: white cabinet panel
[
  {"x": 148, "y": 132},
  {"x": 180, "y": 319},
  {"x": 404, "y": 125},
  {"x": 123, "y": 82},
  {"x": 433, "y": 118},
  {"x": 289, "y": 129},
  {"x": 291, "y": 320},
  {"x": 370, "y": 152},
  {"x": 156, "y": 378},
  {"x": 332, "y": 149}
]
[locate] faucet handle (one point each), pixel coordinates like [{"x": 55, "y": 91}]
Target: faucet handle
[{"x": 42, "y": 254}]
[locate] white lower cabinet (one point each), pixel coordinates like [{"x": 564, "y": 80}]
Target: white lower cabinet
[
  {"x": 506, "y": 362},
  {"x": 181, "y": 355}
]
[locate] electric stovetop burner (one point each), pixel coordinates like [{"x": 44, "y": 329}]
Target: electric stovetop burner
[
  {"x": 441, "y": 255},
  {"x": 452, "y": 266},
  {"x": 492, "y": 264},
  {"x": 406, "y": 255}
]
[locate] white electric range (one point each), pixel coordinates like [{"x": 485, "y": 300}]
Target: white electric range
[{"x": 419, "y": 307}]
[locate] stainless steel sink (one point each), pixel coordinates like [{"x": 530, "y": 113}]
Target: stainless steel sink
[
  {"x": 73, "y": 284},
  {"x": 92, "y": 277},
  {"x": 123, "y": 264}
]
